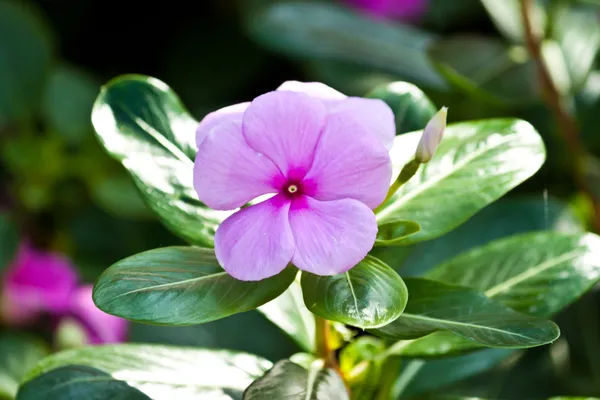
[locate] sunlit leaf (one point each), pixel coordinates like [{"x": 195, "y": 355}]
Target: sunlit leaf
[
  {"x": 434, "y": 306},
  {"x": 180, "y": 286},
  {"x": 287, "y": 380},
  {"x": 18, "y": 354},
  {"x": 331, "y": 32},
  {"x": 484, "y": 159},
  {"x": 392, "y": 233},
  {"x": 412, "y": 108},
  {"x": 290, "y": 314},
  {"x": 166, "y": 372},
  {"x": 370, "y": 295},
  {"x": 142, "y": 123},
  {"x": 506, "y": 15}
]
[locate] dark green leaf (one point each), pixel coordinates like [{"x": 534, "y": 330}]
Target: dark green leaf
[
  {"x": 26, "y": 51},
  {"x": 67, "y": 103},
  {"x": 9, "y": 241},
  {"x": 493, "y": 71},
  {"x": 180, "y": 286},
  {"x": 143, "y": 124},
  {"x": 370, "y": 295},
  {"x": 412, "y": 108},
  {"x": 290, "y": 314},
  {"x": 287, "y": 380},
  {"x": 166, "y": 372},
  {"x": 394, "y": 232},
  {"x": 78, "y": 382},
  {"x": 18, "y": 354},
  {"x": 434, "y": 306},
  {"x": 331, "y": 32},
  {"x": 485, "y": 159}
]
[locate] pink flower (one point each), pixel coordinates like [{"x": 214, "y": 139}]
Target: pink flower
[
  {"x": 99, "y": 327},
  {"x": 323, "y": 157},
  {"x": 36, "y": 282},
  {"x": 406, "y": 10}
]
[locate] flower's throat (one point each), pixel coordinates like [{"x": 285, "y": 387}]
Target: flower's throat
[{"x": 292, "y": 189}]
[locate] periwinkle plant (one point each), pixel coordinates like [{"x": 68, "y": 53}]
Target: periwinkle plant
[{"x": 343, "y": 189}]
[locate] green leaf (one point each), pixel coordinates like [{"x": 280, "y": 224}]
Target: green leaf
[
  {"x": 434, "y": 306},
  {"x": 67, "y": 103},
  {"x": 454, "y": 369},
  {"x": 508, "y": 216},
  {"x": 577, "y": 32},
  {"x": 78, "y": 382},
  {"x": 370, "y": 295},
  {"x": 412, "y": 108},
  {"x": 166, "y": 371},
  {"x": 394, "y": 232},
  {"x": 26, "y": 51},
  {"x": 180, "y": 286},
  {"x": 492, "y": 72},
  {"x": 536, "y": 273},
  {"x": 9, "y": 241},
  {"x": 506, "y": 15},
  {"x": 332, "y": 32},
  {"x": 18, "y": 354},
  {"x": 361, "y": 368},
  {"x": 287, "y": 380},
  {"x": 485, "y": 159},
  {"x": 142, "y": 124},
  {"x": 290, "y": 314}
]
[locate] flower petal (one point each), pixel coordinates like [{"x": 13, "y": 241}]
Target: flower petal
[
  {"x": 349, "y": 163},
  {"x": 285, "y": 126},
  {"x": 374, "y": 115},
  {"x": 228, "y": 173},
  {"x": 331, "y": 236},
  {"x": 227, "y": 114},
  {"x": 256, "y": 242},
  {"x": 100, "y": 327},
  {"x": 316, "y": 90}
]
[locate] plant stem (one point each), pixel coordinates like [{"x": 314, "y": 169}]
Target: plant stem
[
  {"x": 408, "y": 171},
  {"x": 567, "y": 125},
  {"x": 322, "y": 342},
  {"x": 408, "y": 373}
]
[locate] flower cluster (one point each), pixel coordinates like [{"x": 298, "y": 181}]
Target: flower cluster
[{"x": 40, "y": 283}]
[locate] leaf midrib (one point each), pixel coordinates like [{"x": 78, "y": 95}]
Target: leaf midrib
[{"x": 450, "y": 322}]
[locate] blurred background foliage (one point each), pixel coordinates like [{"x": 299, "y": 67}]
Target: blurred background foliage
[{"x": 60, "y": 189}]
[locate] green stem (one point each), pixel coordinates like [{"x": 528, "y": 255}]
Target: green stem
[
  {"x": 408, "y": 171},
  {"x": 408, "y": 374},
  {"x": 389, "y": 374}
]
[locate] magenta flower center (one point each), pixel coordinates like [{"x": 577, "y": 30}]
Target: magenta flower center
[{"x": 293, "y": 189}]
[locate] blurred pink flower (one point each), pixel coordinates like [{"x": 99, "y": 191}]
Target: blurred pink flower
[
  {"x": 34, "y": 283},
  {"x": 406, "y": 10},
  {"x": 323, "y": 156},
  {"x": 99, "y": 327}
]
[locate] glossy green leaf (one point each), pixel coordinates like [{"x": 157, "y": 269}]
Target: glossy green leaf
[
  {"x": 331, "y": 32},
  {"x": 67, "y": 103},
  {"x": 537, "y": 273},
  {"x": 394, "y": 232},
  {"x": 370, "y": 295},
  {"x": 142, "y": 123},
  {"x": 485, "y": 159},
  {"x": 287, "y": 380},
  {"x": 412, "y": 108},
  {"x": 18, "y": 354},
  {"x": 26, "y": 52},
  {"x": 506, "y": 15},
  {"x": 454, "y": 369},
  {"x": 180, "y": 286},
  {"x": 493, "y": 71},
  {"x": 78, "y": 382},
  {"x": 9, "y": 241},
  {"x": 508, "y": 216},
  {"x": 434, "y": 306},
  {"x": 577, "y": 33},
  {"x": 166, "y": 372},
  {"x": 290, "y": 314}
]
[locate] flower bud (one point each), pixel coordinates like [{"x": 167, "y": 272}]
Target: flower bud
[{"x": 432, "y": 136}]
